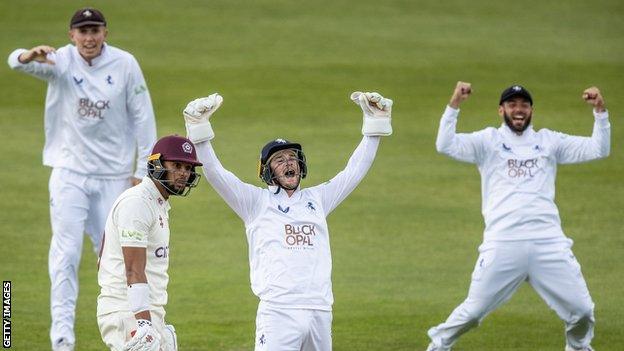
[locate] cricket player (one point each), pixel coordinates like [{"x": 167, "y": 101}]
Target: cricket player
[
  {"x": 523, "y": 239},
  {"x": 134, "y": 257},
  {"x": 289, "y": 253},
  {"x": 98, "y": 116}
]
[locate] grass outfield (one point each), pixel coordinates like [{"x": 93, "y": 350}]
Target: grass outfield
[{"x": 404, "y": 243}]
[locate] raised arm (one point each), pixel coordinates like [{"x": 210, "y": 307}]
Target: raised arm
[
  {"x": 377, "y": 112},
  {"x": 240, "y": 196},
  {"x": 462, "y": 147},
  {"x": 38, "y": 61},
  {"x": 575, "y": 149}
]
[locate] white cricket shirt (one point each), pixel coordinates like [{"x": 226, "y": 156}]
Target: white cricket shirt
[
  {"x": 518, "y": 172},
  {"x": 139, "y": 218},
  {"x": 289, "y": 252},
  {"x": 96, "y": 117}
]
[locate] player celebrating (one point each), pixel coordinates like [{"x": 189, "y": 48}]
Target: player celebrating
[
  {"x": 286, "y": 227},
  {"x": 135, "y": 252},
  {"x": 523, "y": 239},
  {"x": 97, "y": 102}
]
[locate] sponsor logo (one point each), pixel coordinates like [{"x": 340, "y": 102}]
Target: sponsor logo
[
  {"x": 162, "y": 252},
  {"x": 299, "y": 236},
  {"x": 506, "y": 148},
  {"x": 285, "y": 210},
  {"x": 92, "y": 109},
  {"x": 109, "y": 80},
  {"x": 187, "y": 147},
  {"x": 77, "y": 81},
  {"x": 262, "y": 339},
  {"x": 522, "y": 168},
  {"x": 140, "y": 89},
  {"x": 132, "y": 234}
]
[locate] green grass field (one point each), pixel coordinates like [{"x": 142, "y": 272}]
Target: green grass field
[{"x": 404, "y": 243}]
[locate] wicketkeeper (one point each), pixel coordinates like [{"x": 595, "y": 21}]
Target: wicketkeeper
[{"x": 289, "y": 254}]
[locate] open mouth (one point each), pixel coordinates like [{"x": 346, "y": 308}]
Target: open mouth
[
  {"x": 290, "y": 173},
  {"x": 518, "y": 118}
]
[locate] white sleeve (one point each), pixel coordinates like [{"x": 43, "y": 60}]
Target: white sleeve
[
  {"x": 240, "y": 196},
  {"x": 462, "y": 147},
  {"x": 141, "y": 112},
  {"x": 575, "y": 149},
  {"x": 133, "y": 219},
  {"x": 44, "y": 71},
  {"x": 334, "y": 191}
]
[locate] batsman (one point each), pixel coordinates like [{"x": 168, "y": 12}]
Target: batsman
[
  {"x": 289, "y": 252},
  {"x": 523, "y": 238}
]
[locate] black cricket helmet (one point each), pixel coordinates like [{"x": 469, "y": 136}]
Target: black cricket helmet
[
  {"x": 173, "y": 148},
  {"x": 264, "y": 170}
]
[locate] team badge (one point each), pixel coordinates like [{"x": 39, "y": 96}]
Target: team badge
[{"x": 187, "y": 147}]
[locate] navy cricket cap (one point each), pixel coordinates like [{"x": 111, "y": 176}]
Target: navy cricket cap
[
  {"x": 514, "y": 91},
  {"x": 87, "y": 16}
]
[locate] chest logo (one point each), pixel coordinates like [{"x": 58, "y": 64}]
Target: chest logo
[
  {"x": 299, "y": 236},
  {"x": 285, "y": 210},
  {"x": 77, "y": 81},
  {"x": 310, "y": 206},
  {"x": 109, "y": 80},
  {"x": 522, "y": 168}
]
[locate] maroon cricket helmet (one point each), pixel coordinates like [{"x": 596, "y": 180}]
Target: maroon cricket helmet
[{"x": 175, "y": 148}]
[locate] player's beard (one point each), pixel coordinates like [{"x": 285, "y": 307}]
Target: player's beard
[{"x": 520, "y": 130}]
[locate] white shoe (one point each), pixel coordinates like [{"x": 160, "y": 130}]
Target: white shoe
[
  {"x": 434, "y": 347},
  {"x": 570, "y": 348},
  {"x": 62, "y": 345}
]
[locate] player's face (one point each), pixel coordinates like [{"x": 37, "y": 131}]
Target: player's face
[
  {"x": 517, "y": 113},
  {"x": 88, "y": 40},
  {"x": 178, "y": 174},
  {"x": 285, "y": 166}
]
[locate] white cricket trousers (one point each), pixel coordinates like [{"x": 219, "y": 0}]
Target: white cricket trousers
[
  {"x": 78, "y": 204},
  {"x": 290, "y": 329},
  {"x": 116, "y": 329},
  {"x": 551, "y": 269}
]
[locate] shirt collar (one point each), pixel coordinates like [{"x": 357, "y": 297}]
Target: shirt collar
[
  {"x": 282, "y": 195},
  {"x": 505, "y": 130},
  {"x": 153, "y": 190},
  {"x": 96, "y": 61}
]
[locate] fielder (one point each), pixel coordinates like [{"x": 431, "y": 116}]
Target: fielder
[
  {"x": 134, "y": 258},
  {"x": 523, "y": 239},
  {"x": 98, "y": 115},
  {"x": 286, "y": 227}
]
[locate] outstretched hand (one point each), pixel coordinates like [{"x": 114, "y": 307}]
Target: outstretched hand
[{"x": 38, "y": 53}]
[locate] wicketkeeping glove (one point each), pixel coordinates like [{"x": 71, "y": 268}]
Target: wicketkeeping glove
[
  {"x": 145, "y": 338},
  {"x": 196, "y": 117},
  {"x": 377, "y": 113}
]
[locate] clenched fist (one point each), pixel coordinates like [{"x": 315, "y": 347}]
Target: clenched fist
[
  {"x": 461, "y": 93},
  {"x": 593, "y": 97}
]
